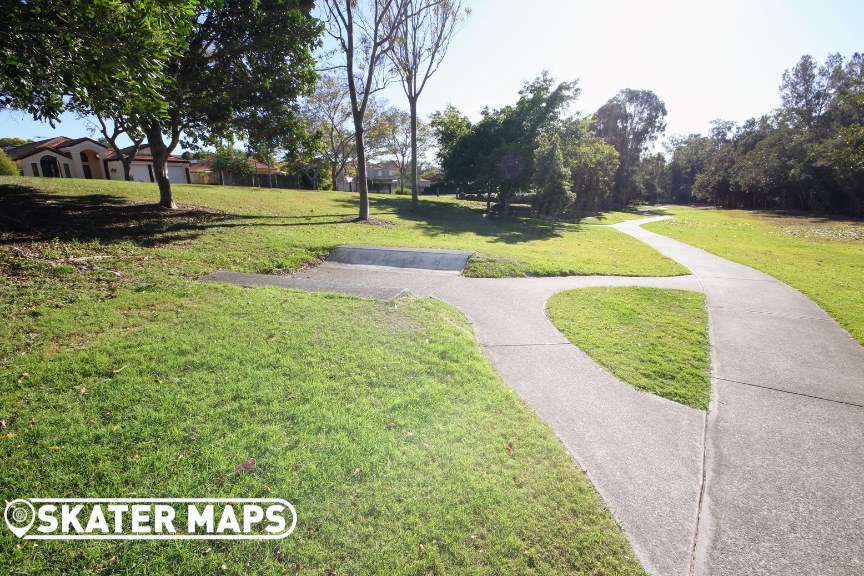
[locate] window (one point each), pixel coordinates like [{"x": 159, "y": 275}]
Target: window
[
  {"x": 84, "y": 157},
  {"x": 66, "y": 170},
  {"x": 35, "y": 168}
]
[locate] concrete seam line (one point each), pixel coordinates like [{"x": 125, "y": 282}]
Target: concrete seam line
[
  {"x": 526, "y": 345},
  {"x": 790, "y": 392},
  {"x": 791, "y": 316}
]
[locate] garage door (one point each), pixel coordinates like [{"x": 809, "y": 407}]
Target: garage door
[
  {"x": 177, "y": 174},
  {"x": 140, "y": 173}
]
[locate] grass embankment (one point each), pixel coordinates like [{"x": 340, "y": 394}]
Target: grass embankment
[
  {"x": 821, "y": 257},
  {"x": 121, "y": 376},
  {"x": 266, "y": 231},
  {"x": 655, "y": 340}
]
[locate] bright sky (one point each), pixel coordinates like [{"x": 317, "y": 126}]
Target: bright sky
[{"x": 705, "y": 60}]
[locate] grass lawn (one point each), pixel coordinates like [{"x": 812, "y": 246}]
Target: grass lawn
[
  {"x": 821, "y": 257},
  {"x": 618, "y": 216},
  {"x": 383, "y": 423},
  {"x": 654, "y": 339}
]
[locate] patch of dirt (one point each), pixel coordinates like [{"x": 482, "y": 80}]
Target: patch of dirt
[{"x": 370, "y": 221}]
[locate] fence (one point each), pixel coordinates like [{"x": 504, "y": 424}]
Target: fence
[{"x": 252, "y": 180}]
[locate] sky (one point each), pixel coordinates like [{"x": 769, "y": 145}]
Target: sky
[{"x": 705, "y": 60}]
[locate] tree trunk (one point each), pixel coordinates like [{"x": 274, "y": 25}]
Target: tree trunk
[
  {"x": 415, "y": 197},
  {"x": 127, "y": 167},
  {"x": 362, "y": 184},
  {"x": 160, "y": 165}
]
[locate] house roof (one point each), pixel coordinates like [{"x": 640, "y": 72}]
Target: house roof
[
  {"x": 389, "y": 165},
  {"x": 144, "y": 155},
  {"x": 57, "y": 145},
  {"x": 52, "y": 144}
]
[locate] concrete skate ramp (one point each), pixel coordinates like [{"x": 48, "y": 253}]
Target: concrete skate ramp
[{"x": 419, "y": 258}]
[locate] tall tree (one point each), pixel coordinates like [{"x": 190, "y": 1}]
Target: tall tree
[
  {"x": 327, "y": 111},
  {"x": 422, "y": 41},
  {"x": 404, "y": 139},
  {"x": 364, "y": 31},
  {"x": 631, "y": 122},
  {"x": 246, "y": 60}
]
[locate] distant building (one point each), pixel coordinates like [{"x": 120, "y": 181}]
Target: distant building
[{"x": 63, "y": 157}]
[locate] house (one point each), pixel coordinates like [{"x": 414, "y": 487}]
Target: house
[
  {"x": 63, "y": 157},
  {"x": 383, "y": 177},
  {"x": 142, "y": 167},
  {"x": 202, "y": 173}
]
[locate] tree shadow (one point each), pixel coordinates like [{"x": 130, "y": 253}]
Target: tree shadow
[
  {"x": 445, "y": 218},
  {"x": 643, "y": 212},
  {"x": 29, "y": 215}
]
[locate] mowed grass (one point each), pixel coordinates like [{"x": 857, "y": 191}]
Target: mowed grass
[
  {"x": 821, "y": 257},
  {"x": 262, "y": 230},
  {"x": 122, "y": 376},
  {"x": 382, "y": 423},
  {"x": 653, "y": 339}
]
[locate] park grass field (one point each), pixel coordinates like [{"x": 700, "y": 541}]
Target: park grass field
[
  {"x": 820, "y": 256},
  {"x": 383, "y": 423}
]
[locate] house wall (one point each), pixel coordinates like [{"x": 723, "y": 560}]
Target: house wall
[{"x": 25, "y": 164}]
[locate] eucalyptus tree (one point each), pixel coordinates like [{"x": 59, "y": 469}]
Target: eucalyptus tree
[
  {"x": 422, "y": 40},
  {"x": 631, "y": 122},
  {"x": 364, "y": 31}
]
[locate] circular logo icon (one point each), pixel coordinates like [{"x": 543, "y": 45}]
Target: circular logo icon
[{"x": 20, "y": 516}]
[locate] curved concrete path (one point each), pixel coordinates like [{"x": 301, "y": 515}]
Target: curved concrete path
[
  {"x": 784, "y": 490},
  {"x": 780, "y": 455}
]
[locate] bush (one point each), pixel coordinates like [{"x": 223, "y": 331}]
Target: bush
[
  {"x": 402, "y": 191},
  {"x": 8, "y": 167}
]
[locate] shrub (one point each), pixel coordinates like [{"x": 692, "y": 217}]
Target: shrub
[
  {"x": 8, "y": 167},
  {"x": 403, "y": 192}
]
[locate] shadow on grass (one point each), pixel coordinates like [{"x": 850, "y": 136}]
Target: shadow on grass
[
  {"x": 644, "y": 212},
  {"x": 28, "y": 214},
  {"x": 444, "y": 218}
]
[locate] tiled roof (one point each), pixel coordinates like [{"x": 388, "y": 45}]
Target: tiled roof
[
  {"x": 144, "y": 155},
  {"x": 34, "y": 147}
]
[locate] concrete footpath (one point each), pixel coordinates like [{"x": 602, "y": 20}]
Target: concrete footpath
[
  {"x": 770, "y": 482},
  {"x": 784, "y": 485}
]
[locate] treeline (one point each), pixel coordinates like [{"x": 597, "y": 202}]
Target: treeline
[
  {"x": 572, "y": 163},
  {"x": 806, "y": 155}
]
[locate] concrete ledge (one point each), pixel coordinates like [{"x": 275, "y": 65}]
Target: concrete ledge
[{"x": 424, "y": 259}]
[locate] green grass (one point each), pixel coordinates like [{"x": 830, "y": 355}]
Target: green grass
[
  {"x": 821, "y": 257},
  {"x": 618, "y": 216},
  {"x": 383, "y": 423},
  {"x": 653, "y": 339}
]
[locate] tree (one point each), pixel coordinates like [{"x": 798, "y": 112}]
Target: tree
[
  {"x": 496, "y": 155},
  {"x": 12, "y": 142},
  {"x": 364, "y": 31},
  {"x": 422, "y": 41},
  {"x": 246, "y": 65},
  {"x": 327, "y": 111},
  {"x": 551, "y": 178},
  {"x": 448, "y": 126},
  {"x": 592, "y": 164},
  {"x": 401, "y": 141},
  {"x": 50, "y": 50},
  {"x": 8, "y": 167},
  {"x": 631, "y": 122},
  {"x": 229, "y": 160}
]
